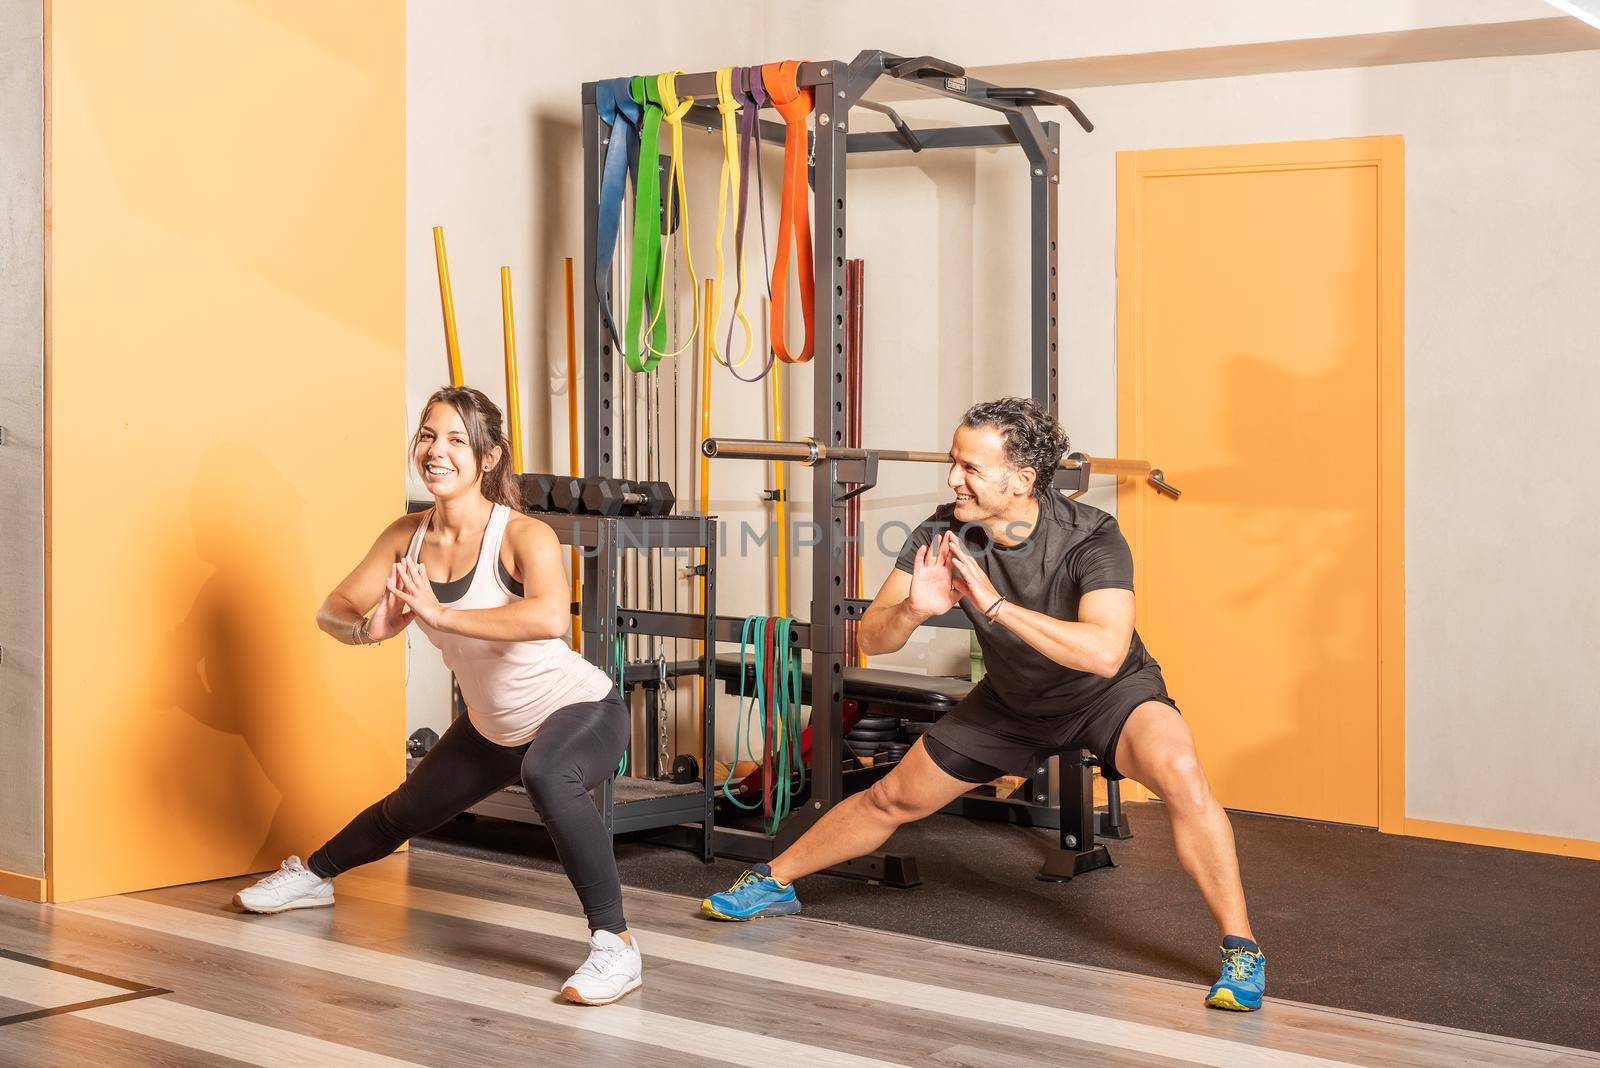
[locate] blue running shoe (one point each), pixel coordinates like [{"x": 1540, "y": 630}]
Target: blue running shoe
[
  {"x": 1244, "y": 979},
  {"x": 754, "y": 895}
]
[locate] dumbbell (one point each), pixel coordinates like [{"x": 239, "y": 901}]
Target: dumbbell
[
  {"x": 610, "y": 497},
  {"x": 660, "y": 498},
  {"x": 567, "y": 495},
  {"x": 422, "y": 739},
  {"x": 614, "y": 497},
  {"x": 536, "y": 492}
]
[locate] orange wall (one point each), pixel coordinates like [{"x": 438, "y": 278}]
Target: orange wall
[{"x": 226, "y": 417}]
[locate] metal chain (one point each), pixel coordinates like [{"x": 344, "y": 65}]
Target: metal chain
[{"x": 661, "y": 719}]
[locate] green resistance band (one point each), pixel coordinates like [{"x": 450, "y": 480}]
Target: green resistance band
[
  {"x": 781, "y": 709},
  {"x": 645, "y": 272}
]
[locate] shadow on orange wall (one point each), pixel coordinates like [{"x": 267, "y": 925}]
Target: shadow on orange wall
[
  {"x": 1279, "y": 540},
  {"x": 247, "y": 662}
]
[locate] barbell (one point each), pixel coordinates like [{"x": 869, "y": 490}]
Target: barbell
[{"x": 809, "y": 452}]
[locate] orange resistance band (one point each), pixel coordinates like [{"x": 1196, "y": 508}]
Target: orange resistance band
[{"x": 794, "y": 104}]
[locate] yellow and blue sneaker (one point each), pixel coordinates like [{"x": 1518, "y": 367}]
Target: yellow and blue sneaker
[
  {"x": 1244, "y": 977},
  {"x": 755, "y": 894}
]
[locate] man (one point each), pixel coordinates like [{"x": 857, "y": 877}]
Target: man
[{"x": 1048, "y": 585}]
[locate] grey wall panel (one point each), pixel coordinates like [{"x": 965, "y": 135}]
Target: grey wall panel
[{"x": 22, "y": 455}]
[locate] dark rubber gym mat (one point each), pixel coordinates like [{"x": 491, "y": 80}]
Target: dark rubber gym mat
[{"x": 1463, "y": 936}]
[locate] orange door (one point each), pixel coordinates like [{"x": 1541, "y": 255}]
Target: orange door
[{"x": 1259, "y": 365}]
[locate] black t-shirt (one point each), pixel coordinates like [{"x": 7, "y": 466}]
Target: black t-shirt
[{"x": 1073, "y": 548}]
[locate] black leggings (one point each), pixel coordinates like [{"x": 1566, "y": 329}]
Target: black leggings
[{"x": 573, "y": 752}]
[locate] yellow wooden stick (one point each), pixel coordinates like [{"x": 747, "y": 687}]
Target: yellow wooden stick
[
  {"x": 705, "y": 410},
  {"x": 513, "y": 395},
  {"x": 706, "y": 347},
  {"x": 452, "y": 344},
  {"x": 778, "y": 483},
  {"x": 572, "y": 437}
]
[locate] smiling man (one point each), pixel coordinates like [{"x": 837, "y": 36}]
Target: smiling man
[{"x": 1048, "y": 585}]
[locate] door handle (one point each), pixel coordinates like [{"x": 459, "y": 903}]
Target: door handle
[{"x": 1158, "y": 479}]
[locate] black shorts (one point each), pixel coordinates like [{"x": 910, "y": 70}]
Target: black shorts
[{"x": 981, "y": 739}]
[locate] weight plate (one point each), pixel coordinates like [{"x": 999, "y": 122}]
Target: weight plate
[
  {"x": 876, "y": 723},
  {"x": 872, "y": 736}
]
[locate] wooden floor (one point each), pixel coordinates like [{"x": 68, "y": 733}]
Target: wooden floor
[{"x": 438, "y": 960}]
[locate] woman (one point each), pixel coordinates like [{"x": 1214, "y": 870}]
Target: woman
[{"x": 536, "y": 711}]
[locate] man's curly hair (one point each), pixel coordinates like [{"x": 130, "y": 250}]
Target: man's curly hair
[{"x": 1031, "y": 434}]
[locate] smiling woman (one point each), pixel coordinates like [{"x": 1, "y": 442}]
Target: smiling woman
[
  {"x": 485, "y": 584},
  {"x": 460, "y": 436}
]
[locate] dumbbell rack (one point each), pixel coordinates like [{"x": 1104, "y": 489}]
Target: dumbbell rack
[{"x": 632, "y": 803}]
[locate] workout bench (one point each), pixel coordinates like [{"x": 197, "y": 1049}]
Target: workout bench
[{"x": 924, "y": 699}]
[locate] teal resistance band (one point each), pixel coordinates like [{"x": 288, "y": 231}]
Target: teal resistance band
[
  {"x": 740, "y": 745},
  {"x": 781, "y": 709},
  {"x": 622, "y": 765},
  {"x": 788, "y": 705}
]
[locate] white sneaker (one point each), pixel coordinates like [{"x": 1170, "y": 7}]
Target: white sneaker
[
  {"x": 292, "y": 886},
  {"x": 612, "y": 970}
]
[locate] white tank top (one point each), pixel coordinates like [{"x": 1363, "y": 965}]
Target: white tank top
[{"x": 510, "y": 687}]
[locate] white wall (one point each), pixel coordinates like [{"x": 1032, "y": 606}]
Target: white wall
[
  {"x": 1026, "y": 30},
  {"x": 494, "y": 158},
  {"x": 1502, "y": 227},
  {"x": 1500, "y": 260}
]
